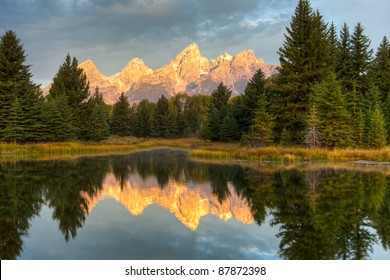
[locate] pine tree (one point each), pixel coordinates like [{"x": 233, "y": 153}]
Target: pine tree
[
  {"x": 229, "y": 129},
  {"x": 333, "y": 46},
  {"x": 380, "y": 71},
  {"x": 360, "y": 128},
  {"x": 344, "y": 59},
  {"x": 15, "y": 124},
  {"x": 162, "y": 119},
  {"x": 304, "y": 60},
  {"x": 15, "y": 83},
  {"x": 220, "y": 97},
  {"x": 58, "y": 119},
  {"x": 217, "y": 110},
  {"x": 376, "y": 136},
  {"x": 143, "y": 119},
  {"x": 261, "y": 131},
  {"x": 361, "y": 55},
  {"x": 96, "y": 123},
  {"x": 313, "y": 136},
  {"x": 121, "y": 115},
  {"x": 71, "y": 81},
  {"x": 335, "y": 120},
  {"x": 246, "y": 106}
]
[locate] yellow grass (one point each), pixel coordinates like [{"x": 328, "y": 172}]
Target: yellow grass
[
  {"x": 198, "y": 148},
  {"x": 290, "y": 154}
]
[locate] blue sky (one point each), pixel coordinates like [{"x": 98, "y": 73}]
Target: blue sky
[{"x": 112, "y": 32}]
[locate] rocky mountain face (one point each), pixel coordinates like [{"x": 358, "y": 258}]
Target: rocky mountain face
[
  {"x": 189, "y": 72},
  {"x": 112, "y": 87}
]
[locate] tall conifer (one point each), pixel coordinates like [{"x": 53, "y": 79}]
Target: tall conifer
[
  {"x": 304, "y": 60},
  {"x": 71, "y": 81},
  {"x": 121, "y": 115},
  {"x": 18, "y": 91}
]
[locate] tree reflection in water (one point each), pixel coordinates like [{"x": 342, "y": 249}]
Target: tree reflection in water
[{"x": 323, "y": 213}]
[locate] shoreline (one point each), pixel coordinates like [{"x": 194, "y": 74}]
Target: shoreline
[{"x": 197, "y": 149}]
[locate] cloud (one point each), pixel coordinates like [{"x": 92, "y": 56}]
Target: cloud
[{"x": 112, "y": 32}]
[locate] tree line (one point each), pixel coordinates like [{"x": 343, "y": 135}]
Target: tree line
[{"x": 330, "y": 91}]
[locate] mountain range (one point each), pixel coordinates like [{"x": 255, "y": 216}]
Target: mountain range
[{"x": 189, "y": 73}]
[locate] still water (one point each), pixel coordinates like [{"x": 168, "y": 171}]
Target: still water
[{"x": 160, "y": 204}]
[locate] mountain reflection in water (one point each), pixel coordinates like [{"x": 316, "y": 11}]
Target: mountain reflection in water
[{"x": 316, "y": 213}]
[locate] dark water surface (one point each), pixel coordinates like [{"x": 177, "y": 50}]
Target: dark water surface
[{"x": 160, "y": 204}]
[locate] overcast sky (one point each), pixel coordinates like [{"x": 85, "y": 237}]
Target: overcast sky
[{"x": 112, "y": 32}]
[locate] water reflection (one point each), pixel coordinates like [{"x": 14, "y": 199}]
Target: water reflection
[{"x": 324, "y": 213}]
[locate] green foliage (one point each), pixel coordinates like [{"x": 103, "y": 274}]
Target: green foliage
[
  {"x": 245, "y": 107},
  {"x": 163, "y": 119},
  {"x": 260, "y": 133},
  {"x": 14, "y": 126},
  {"x": 335, "y": 120},
  {"x": 71, "y": 81},
  {"x": 220, "y": 97},
  {"x": 361, "y": 55},
  {"x": 143, "y": 119},
  {"x": 344, "y": 59},
  {"x": 380, "y": 70},
  {"x": 195, "y": 113},
  {"x": 229, "y": 128},
  {"x": 304, "y": 59},
  {"x": 96, "y": 121},
  {"x": 217, "y": 111},
  {"x": 333, "y": 46},
  {"x": 121, "y": 116},
  {"x": 377, "y": 134},
  {"x": 58, "y": 119},
  {"x": 20, "y": 98},
  {"x": 313, "y": 136}
]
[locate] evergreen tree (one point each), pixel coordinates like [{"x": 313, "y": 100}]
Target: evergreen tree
[
  {"x": 58, "y": 119},
  {"x": 17, "y": 91},
  {"x": 333, "y": 46},
  {"x": 143, "y": 119},
  {"x": 344, "y": 59},
  {"x": 217, "y": 111},
  {"x": 313, "y": 137},
  {"x": 220, "y": 97},
  {"x": 360, "y": 128},
  {"x": 335, "y": 120},
  {"x": 121, "y": 115},
  {"x": 246, "y": 106},
  {"x": 177, "y": 107},
  {"x": 162, "y": 119},
  {"x": 96, "y": 124},
  {"x": 376, "y": 136},
  {"x": 195, "y": 113},
  {"x": 261, "y": 131},
  {"x": 381, "y": 69},
  {"x": 361, "y": 58},
  {"x": 15, "y": 124},
  {"x": 229, "y": 129},
  {"x": 71, "y": 81},
  {"x": 304, "y": 60}
]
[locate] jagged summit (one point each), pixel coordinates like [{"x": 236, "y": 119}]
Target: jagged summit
[{"x": 188, "y": 72}]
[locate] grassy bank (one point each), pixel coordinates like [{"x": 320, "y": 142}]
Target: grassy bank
[
  {"x": 112, "y": 145},
  {"x": 199, "y": 149},
  {"x": 290, "y": 154}
]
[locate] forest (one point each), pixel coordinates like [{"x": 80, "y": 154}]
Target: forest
[{"x": 331, "y": 91}]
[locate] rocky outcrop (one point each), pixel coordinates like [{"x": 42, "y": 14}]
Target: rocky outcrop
[
  {"x": 189, "y": 72},
  {"x": 112, "y": 87}
]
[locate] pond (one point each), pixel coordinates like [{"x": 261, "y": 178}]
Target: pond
[{"x": 161, "y": 204}]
